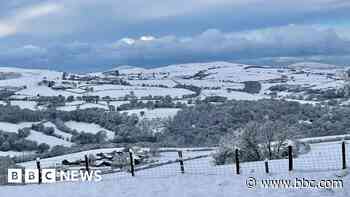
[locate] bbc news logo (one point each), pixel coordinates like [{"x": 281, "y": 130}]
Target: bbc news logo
[{"x": 52, "y": 176}]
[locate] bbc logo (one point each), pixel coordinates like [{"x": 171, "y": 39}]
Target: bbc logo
[
  {"x": 52, "y": 176},
  {"x": 31, "y": 176}
]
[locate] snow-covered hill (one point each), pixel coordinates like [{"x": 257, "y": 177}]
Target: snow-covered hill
[
  {"x": 184, "y": 84},
  {"x": 312, "y": 65},
  {"x": 215, "y": 78}
]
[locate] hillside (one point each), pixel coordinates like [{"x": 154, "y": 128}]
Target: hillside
[
  {"x": 159, "y": 93},
  {"x": 201, "y": 109}
]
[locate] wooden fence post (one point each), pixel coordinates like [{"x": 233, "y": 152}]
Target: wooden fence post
[
  {"x": 132, "y": 169},
  {"x": 290, "y": 157},
  {"x": 181, "y": 161},
  {"x": 39, "y": 169},
  {"x": 343, "y": 150},
  {"x": 237, "y": 160},
  {"x": 266, "y": 166},
  {"x": 87, "y": 163},
  {"x": 23, "y": 176}
]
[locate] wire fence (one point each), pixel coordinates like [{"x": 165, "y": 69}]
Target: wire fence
[{"x": 321, "y": 157}]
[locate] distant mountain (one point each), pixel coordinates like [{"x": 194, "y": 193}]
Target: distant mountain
[
  {"x": 129, "y": 69},
  {"x": 311, "y": 65}
]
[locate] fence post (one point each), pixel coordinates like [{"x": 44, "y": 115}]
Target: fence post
[
  {"x": 23, "y": 176},
  {"x": 87, "y": 163},
  {"x": 343, "y": 150},
  {"x": 181, "y": 161},
  {"x": 290, "y": 157},
  {"x": 266, "y": 166},
  {"x": 237, "y": 160},
  {"x": 39, "y": 169},
  {"x": 132, "y": 169}
]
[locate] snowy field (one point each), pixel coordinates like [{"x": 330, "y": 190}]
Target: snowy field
[
  {"x": 56, "y": 161},
  {"x": 57, "y": 131},
  {"x": 25, "y": 104},
  {"x": 34, "y": 135},
  {"x": 50, "y": 140},
  {"x": 234, "y": 95},
  {"x": 14, "y": 153},
  {"x": 155, "y": 82},
  {"x": 120, "y": 91},
  {"x": 176, "y": 186},
  {"x": 154, "y": 113},
  {"x": 201, "y": 179},
  {"x": 88, "y": 128},
  {"x": 11, "y": 127},
  {"x": 219, "y": 71},
  {"x": 209, "y": 76}
]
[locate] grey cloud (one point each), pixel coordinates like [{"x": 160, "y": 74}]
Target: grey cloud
[
  {"x": 210, "y": 45},
  {"x": 92, "y": 20},
  {"x": 88, "y": 33}
]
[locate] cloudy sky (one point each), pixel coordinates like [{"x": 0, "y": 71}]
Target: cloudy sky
[{"x": 85, "y": 35}]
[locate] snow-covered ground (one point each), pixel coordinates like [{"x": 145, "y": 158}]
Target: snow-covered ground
[
  {"x": 186, "y": 185},
  {"x": 14, "y": 153},
  {"x": 235, "y": 95},
  {"x": 25, "y": 104},
  {"x": 93, "y": 105},
  {"x": 67, "y": 108},
  {"x": 56, "y": 161},
  {"x": 203, "y": 179},
  {"x": 117, "y": 91},
  {"x": 211, "y": 83},
  {"x": 216, "y": 78},
  {"x": 34, "y": 135},
  {"x": 11, "y": 127},
  {"x": 154, "y": 113},
  {"x": 219, "y": 71},
  {"x": 155, "y": 82},
  {"x": 50, "y": 140},
  {"x": 35, "y": 90},
  {"x": 88, "y": 128},
  {"x": 83, "y": 105},
  {"x": 29, "y": 77},
  {"x": 57, "y": 131}
]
